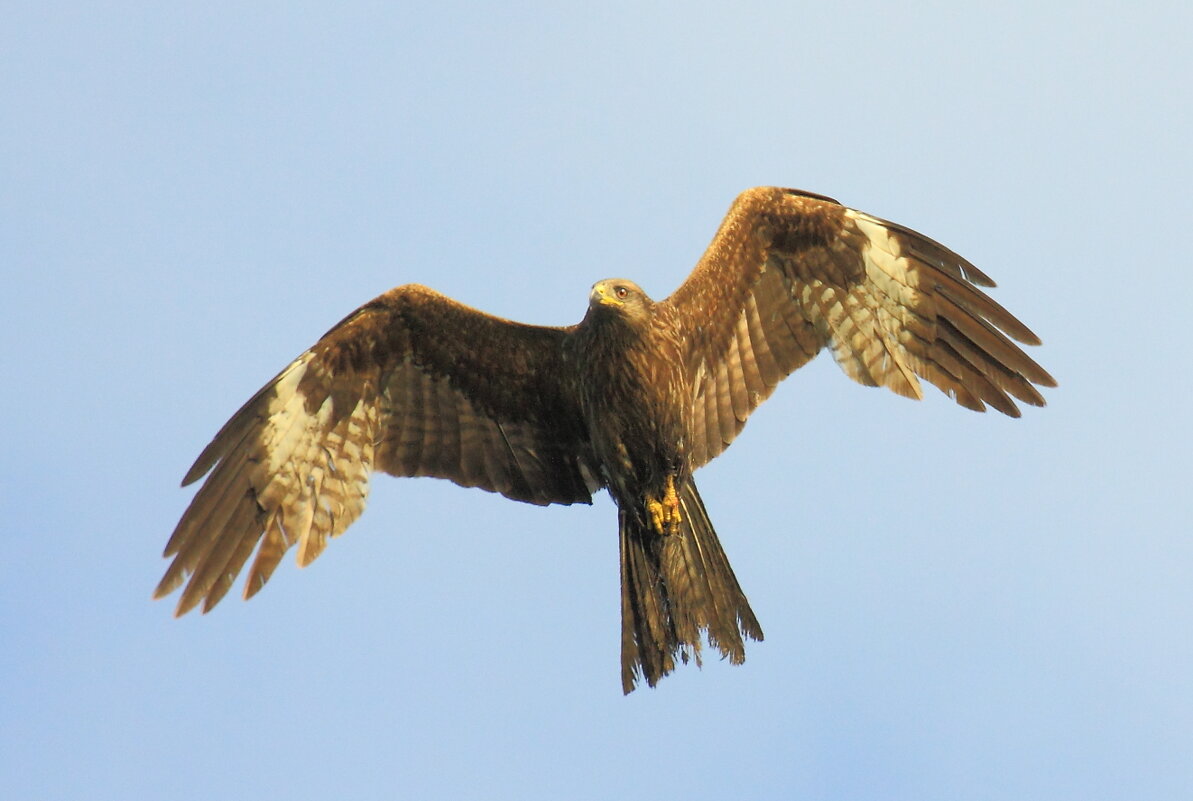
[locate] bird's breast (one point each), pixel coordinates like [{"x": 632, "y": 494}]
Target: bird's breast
[{"x": 632, "y": 403}]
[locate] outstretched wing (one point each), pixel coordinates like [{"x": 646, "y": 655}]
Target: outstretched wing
[
  {"x": 413, "y": 384},
  {"x": 789, "y": 273}
]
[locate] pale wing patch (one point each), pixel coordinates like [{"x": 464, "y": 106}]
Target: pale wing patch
[
  {"x": 891, "y": 295},
  {"x": 316, "y": 478},
  {"x": 934, "y": 323},
  {"x": 286, "y": 474}
]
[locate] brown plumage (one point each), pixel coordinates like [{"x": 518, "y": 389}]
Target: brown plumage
[{"x": 634, "y": 399}]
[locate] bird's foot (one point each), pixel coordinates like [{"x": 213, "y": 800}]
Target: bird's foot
[{"x": 664, "y": 514}]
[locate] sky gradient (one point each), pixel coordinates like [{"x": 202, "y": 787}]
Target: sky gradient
[{"x": 956, "y": 606}]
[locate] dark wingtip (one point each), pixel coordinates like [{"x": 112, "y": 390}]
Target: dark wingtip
[
  {"x": 197, "y": 471},
  {"x": 813, "y": 195}
]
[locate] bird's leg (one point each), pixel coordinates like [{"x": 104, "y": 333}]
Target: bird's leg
[
  {"x": 671, "y": 505},
  {"x": 664, "y": 514}
]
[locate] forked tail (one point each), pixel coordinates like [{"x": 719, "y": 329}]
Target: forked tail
[{"x": 672, "y": 588}]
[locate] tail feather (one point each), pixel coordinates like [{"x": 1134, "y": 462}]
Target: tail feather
[{"x": 673, "y": 588}]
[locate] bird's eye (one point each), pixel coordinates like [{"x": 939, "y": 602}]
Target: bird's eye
[{"x": 621, "y": 292}]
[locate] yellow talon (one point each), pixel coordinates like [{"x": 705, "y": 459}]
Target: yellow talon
[
  {"x": 671, "y": 501},
  {"x": 665, "y": 515},
  {"x": 656, "y": 515}
]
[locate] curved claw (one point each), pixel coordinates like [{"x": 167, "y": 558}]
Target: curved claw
[{"x": 665, "y": 515}]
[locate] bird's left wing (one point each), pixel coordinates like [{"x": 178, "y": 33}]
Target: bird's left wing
[
  {"x": 789, "y": 273},
  {"x": 413, "y": 384}
]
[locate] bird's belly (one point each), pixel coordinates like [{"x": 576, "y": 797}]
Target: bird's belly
[{"x": 639, "y": 446}]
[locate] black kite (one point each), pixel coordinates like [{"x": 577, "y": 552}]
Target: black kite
[{"x": 634, "y": 399}]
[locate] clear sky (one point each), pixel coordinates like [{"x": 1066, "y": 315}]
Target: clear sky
[{"x": 957, "y": 606}]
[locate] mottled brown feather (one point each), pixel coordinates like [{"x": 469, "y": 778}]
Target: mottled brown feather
[
  {"x": 798, "y": 272},
  {"x": 412, "y": 384}
]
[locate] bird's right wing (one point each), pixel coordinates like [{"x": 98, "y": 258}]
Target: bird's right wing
[{"x": 412, "y": 384}]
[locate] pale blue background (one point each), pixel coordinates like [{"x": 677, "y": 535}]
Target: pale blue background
[{"x": 956, "y": 606}]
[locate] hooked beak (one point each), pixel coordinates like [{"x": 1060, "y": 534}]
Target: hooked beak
[{"x": 600, "y": 295}]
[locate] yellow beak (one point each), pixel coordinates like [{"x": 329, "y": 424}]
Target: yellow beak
[{"x": 600, "y": 295}]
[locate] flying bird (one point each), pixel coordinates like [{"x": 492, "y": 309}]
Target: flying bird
[{"x": 633, "y": 399}]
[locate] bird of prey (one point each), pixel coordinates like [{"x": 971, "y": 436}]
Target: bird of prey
[{"x": 633, "y": 399}]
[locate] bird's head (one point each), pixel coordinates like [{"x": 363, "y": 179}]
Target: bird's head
[{"x": 620, "y": 296}]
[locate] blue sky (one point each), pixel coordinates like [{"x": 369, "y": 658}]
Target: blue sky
[{"x": 957, "y": 606}]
